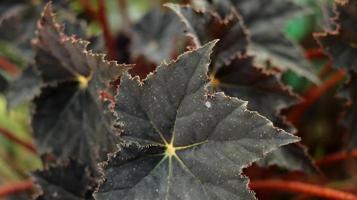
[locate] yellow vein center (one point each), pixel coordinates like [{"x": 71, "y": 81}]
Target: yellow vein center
[
  {"x": 170, "y": 150},
  {"x": 83, "y": 81}
]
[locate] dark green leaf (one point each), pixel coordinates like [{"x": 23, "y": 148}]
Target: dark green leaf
[
  {"x": 181, "y": 142},
  {"x": 69, "y": 119}
]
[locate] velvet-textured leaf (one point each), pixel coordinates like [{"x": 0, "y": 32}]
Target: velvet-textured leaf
[
  {"x": 69, "y": 119},
  {"x": 267, "y": 95},
  {"x": 24, "y": 88},
  {"x": 69, "y": 181},
  {"x": 18, "y": 20},
  {"x": 264, "y": 20},
  {"x": 341, "y": 44},
  {"x": 239, "y": 78},
  {"x": 204, "y": 26},
  {"x": 154, "y": 35},
  {"x": 181, "y": 142}
]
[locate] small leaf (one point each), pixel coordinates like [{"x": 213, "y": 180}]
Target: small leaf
[
  {"x": 265, "y": 20},
  {"x": 341, "y": 44},
  {"x": 24, "y": 88},
  {"x": 180, "y": 142},
  {"x": 17, "y": 26},
  {"x": 154, "y": 35},
  {"x": 70, "y": 181},
  {"x": 70, "y": 121},
  {"x": 203, "y": 27}
]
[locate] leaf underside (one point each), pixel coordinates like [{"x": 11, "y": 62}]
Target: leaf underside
[{"x": 181, "y": 142}]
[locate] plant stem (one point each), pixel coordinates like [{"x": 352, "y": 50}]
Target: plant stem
[
  {"x": 299, "y": 187},
  {"x": 109, "y": 39},
  {"x": 9, "y": 67},
  {"x": 336, "y": 157},
  {"x": 314, "y": 53},
  {"x": 11, "y": 136},
  {"x": 313, "y": 95},
  {"x": 12, "y": 188},
  {"x": 101, "y": 18}
]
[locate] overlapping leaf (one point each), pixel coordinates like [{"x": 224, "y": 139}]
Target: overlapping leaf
[
  {"x": 341, "y": 44},
  {"x": 181, "y": 142},
  {"x": 17, "y": 27},
  {"x": 205, "y": 26},
  {"x": 69, "y": 119},
  {"x": 24, "y": 88},
  {"x": 349, "y": 120},
  {"x": 265, "y": 20},
  {"x": 70, "y": 181},
  {"x": 240, "y": 78},
  {"x": 154, "y": 35}
]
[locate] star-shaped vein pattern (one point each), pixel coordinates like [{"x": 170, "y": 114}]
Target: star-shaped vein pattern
[
  {"x": 181, "y": 142},
  {"x": 69, "y": 120}
]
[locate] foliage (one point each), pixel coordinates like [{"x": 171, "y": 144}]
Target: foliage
[{"x": 193, "y": 101}]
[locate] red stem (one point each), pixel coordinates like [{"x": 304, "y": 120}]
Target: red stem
[
  {"x": 9, "y": 67},
  {"x": 313, "y": 95},
  {"x": 13, "y": 188},
  {"x": 336, "y": 157},
  {"x": 299, "y": 187},
  {"x": 325, "y": 70},
  {"x": 7, "y": 134},
  {"x": 109, "y": 39},
  {"x": 314, "y": 53}
]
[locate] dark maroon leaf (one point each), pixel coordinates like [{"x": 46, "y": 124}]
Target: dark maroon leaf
[
  {"x": 240, "y": 78},
  {"x": 24, "y": 88},
  {"x": 181, "y": 142},
  {"x": 67, "y": 181},
  {"x": 70, "y": 121},
  {"x": 341, "y": 44},
  {"x": 205, "y": 26},
  {"x": 349, "y": 118},
  {"x": 265, "y": 20},
  {"x": 155, "y": 34}
]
